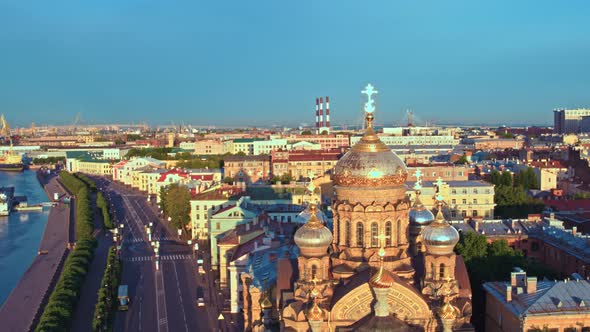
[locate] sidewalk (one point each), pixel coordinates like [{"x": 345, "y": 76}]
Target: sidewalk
[{"x": 26, "y": 301}]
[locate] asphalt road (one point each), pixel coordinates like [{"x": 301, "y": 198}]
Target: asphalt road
[{"x": 160, "y": 300}]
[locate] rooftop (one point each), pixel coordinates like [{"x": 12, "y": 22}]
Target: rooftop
[{"x": 561, "y": 296}]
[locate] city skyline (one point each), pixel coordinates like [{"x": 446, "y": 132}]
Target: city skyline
[{"x": 452, "y": 63}]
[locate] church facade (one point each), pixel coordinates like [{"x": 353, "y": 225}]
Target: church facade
[{"x": 388, "y": 264}]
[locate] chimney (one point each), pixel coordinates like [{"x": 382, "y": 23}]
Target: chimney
[
  {"x": 508, "y": 293},
  {"x": 321, "y": 112},
  {"x": 327, "y": 111},
  {"x": 317, "y": 112},
  {"x": 531, "y": 285}
]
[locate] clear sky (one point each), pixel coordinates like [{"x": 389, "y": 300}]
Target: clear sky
[{"x": 264, "y": 62}]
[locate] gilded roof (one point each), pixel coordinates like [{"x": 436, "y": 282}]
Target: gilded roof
[
  {"x": 370, "y": 162},
  {"x": 313, "y": 234},
  {"x": 439, "y": 236}
]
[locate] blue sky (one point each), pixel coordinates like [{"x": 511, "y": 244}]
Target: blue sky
[{"x": 264, "y": 62}]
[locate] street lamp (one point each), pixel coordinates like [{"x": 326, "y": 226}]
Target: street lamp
[
  {"x": 179, "y": 233},
  {"x": 169, "y": 219}
]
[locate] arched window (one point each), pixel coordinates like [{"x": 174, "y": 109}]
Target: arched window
[
  {"x": 374, "y": 235},
  {"x": 314, "y": 272},
  {"x": 433, "y": 270},
  {"x": 398, "y": 233},
  {"x": 441, "y": 271},
  {"x": 388, "y": 234},
  {"x": 359, "y": 234},
  {"x": 347, "y": 235}
]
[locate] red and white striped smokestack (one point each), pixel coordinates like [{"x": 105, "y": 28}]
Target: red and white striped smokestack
[
  {"x": 317, "y": 112},
  {"x": 327, "y": 111},
  {"x": 321, "y": 112}
]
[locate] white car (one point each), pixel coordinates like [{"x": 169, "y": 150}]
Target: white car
[
  {"x": 200, "y": 302},
  {"x": 201, "y": 270}
]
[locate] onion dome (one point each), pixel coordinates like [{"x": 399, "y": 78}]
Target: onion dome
[
  {"x": 448, "y": 311},
  {"x": 370, "y": 162},
  {"x": 315, "y": 312},
  {"x": 419, "y": 214},
  {"x": 313, "y": 238},
  {"x": 439, "y": 237},
  {"x": 266, "y": 304},
  {"x": 382, "y": 278}
]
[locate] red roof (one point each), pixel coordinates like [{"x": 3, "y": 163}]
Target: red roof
[
  {"x": 247, "y": 247},
  {"x": 178, "y": 172},
  {"x": 313, "y": 157},
  {"x": 202, "y": 177},
  {"x": 568, "y": 204},
  {"x": 549, "y": 164}
]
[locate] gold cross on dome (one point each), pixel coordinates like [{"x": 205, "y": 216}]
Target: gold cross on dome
[
  {"x": 369, "y": 91},
  {"x": 439, "y": 183},
  {"x": 381, "y": 238},
  {"x": 418, "y": 175}
]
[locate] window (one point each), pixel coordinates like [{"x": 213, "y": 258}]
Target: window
[
  {"x": 441, "y": 271},
  {"x": 388, "y": 234},
  {"x": 475, "y": 201},
  {"x": 464, "y": 213},
  {"x": 474, "y": 213},
  {"x": 399, "y": 232},
  {"x": 464, "y": 201},
  {"x": 314, "y": 272},
  {"x": 453, "y": 201},
  {"x": 475, "y": 191},
  {"x": 453, "y": 214},
  {"x": 453, "y": 191},
  {"x": 347, "y": 236},
  {"x": 359, "y": 234},
  {"x": 198, "y": 216},
  {"x": 218, "y": 226},
  {"x": 374, "y": 235},
  {"x": 465, "y": 191}
]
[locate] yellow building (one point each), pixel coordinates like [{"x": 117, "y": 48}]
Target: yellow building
[
  {"x": 88, "y": 163},
  {"x": 465, "y": 199}
]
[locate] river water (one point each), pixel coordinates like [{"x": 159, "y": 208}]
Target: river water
[{"x": 21, "y": 232}]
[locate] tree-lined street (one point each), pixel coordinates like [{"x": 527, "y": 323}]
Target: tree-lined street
[{"x": 162, "y": 299}]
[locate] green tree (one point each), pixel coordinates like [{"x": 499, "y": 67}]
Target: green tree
[
  {"x": 471, "y": 245},
  {"x": 306, "y": 132},
  {"x": 228, "y": 180},
  {"x": 501, "y": 248},
  {"x": 462, "y": 161},
  {"x": 506, "y": 178},
  {"x": 495, "y": 177},
  {"x": 177, "y": 205},
  {"x": 286, "y": 178}
]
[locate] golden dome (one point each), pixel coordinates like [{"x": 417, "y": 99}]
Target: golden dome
[
  {"x": 448, "y": 311},
  {"x": 313, "y": 238},
  {"x": 370, "y": 162},
  {"x": 315, "y": 312},
  {"x": 439, "y": 237},
  {"x": 382, "y": 279}
]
